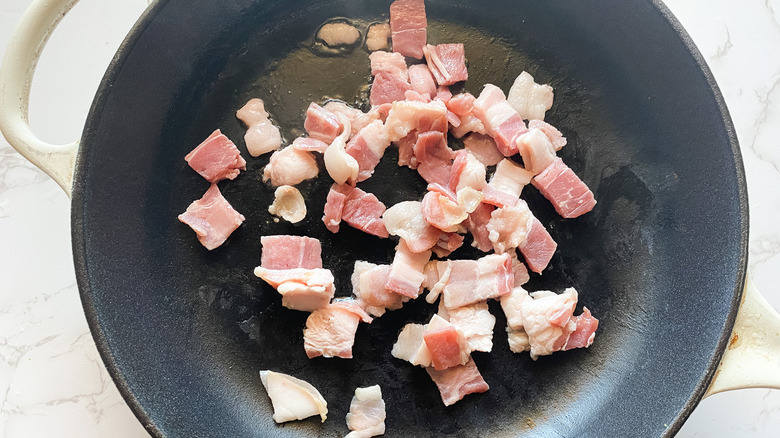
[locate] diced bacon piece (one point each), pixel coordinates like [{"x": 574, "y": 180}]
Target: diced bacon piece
[
  {"x": 453, "y": 119},
  {"x": 407, "y": 116},
  {"x": 584, "y": 332},
  {"x": 539, "y": 247},
  {"x": 476, "y": 323},
  {"x": 421, "y": 79},
  {"x": 519, "y": 270},
  {"x": 321, "y": 124},
  {"x": 447, "y": 243},
  {"x": 377, "y": 36},
  {"x": 414, "y": 96},
  {"x": 388, "y": 62},
  {"x": 409, "y": 27},
  {"x": 445, "y": 343},
  {"x": 364, "y": 211},
  {"x": 434, "y": 157},
  {"x": 406, "y": 150},
  {"x": 368, "y": 286},
  {"x": 545, "y": 318},
  {"x": 510, "y": 178},
  {"x": 212, "y": 218},
  {"x": 406, "y": 272},
  {"x": 288, "y": 204},
  {"x": 467, "y": 171},
  {"x": 501, "y": 121},
  {"x": 556, "y": 138},
  {"x": 518, "y": 340},
  {"x": 261, "y": 136},
  {"x": 217, "y": 158},
  {"x": 411, "y": 347},
  {"x": 508, "y": 227},
  {"x": 565, "y": 190},
  {"x": 292, "y": 398},
  {"x": 388, "y": 88},
  {"x": 367, "y": 147},
  {"x": 457, "y": 382},
  {"x": 530, "y": 99},
  {"x": 443, "y": 93},
  {"x": 477, "y": 226},
  {"x": 338, "y": 33},
  {"x": 536, "y": 149},
  {"x": 469, "y": 123},
  {"x": 330, "y": 331},
  {"x": 366, "y": 417},
  {"x": 498, "y": 198},
  {"x": 447, "y": 62},
  {"x": 309, "y": 144},
  {"x": 357, "y": 119},
  {"x": 341, "y": 166},
  {"x": 334, "y": 206},
  {"x": 290, "y": 166},
  {"x": 406, "y": 221},
  {"x": 471, "y": 281},
  {"x": 301, "y": 289},
  {"x": 512, "y": 304},
  {"x": 461, "y": 104},
  {"x": 290, "y": 252},
  {"x": 469, "y": 199},
  {"x": 484, "y": 149},
  {"x": 442, "y": 212}
]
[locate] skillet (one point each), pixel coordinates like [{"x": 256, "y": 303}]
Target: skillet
[{"x": 660, "y": 261}]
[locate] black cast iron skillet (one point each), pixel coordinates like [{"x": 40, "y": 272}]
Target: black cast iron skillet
[{"x": 660, "y": 260}]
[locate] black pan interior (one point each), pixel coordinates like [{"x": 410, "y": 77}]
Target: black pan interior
[{"x": 185, "y": 331}]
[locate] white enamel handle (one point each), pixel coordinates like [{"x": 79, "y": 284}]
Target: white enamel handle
[
  {"x": 16, "y": 73},
  {"x": 752, "y": 358}
]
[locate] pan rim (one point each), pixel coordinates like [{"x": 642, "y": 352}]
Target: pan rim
[{"x": 78, "y": 234}]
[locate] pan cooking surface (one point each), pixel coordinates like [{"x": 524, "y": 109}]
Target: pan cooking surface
[{"x": 184, "y": 331}]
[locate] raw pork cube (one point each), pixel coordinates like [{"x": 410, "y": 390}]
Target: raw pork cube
[
  {"x": 447, "y": 62},
  {"x": 288, "y": 252},
  {"x": 568, "y": 194},
  {"x": 457, "y": 382},
  {"x": 212, "y": 218},
  {"x": 409, "y": 27},
  {"x": 330, "y": 331},
  {"x": 217, "y": 158}
]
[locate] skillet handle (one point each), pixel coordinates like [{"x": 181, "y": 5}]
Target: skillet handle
[
  {"x": 752, "y": 358},
  {"x": 16, "y": 74}
]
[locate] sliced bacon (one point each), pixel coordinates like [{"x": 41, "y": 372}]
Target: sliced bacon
[
  {"x": 442, "y": 211},
  {"x": 321, "y": 124},
  {"x": 584, "y": 332},
  {"x": 545, "y": 320},
  {"x": 471, "y": 281},
  {"x": 457, "y": 382},
  {"x": 501, "y": 121},
  {"x": 389, "y": 62},
  {"x": 556, "y": 138},
  {"x": 445, "y": 343},
  {"x": 409, "y": 27},
  {"x": 330, "y": 331},
  {"x": 366, "y": 417},
  {"x": 434, "y": 157},
  {"x": 364, "y": 211},
  {"x": 530, "y": 99},
  {"x": 406, "y": 273},
  {"x": 447, "y": 243},
  {"x": 367, "y": 147},
  {"x": 467, "y": 171},
  {"x": 301, "y": 289},
  {"x": 565, "y": 190},
  {"x": 334, "y": 206},
  {"x": 536, "y": 149},
  {"x": 309, "y": 144},
  {"x": 443, "y": 93},
  {"x": 407, "y": 116},
  {"x": 357, "y": 119},
  {"x": 217, "y": 158},
  {"x": 484, "y": 149},
  {"x": 447, "y": 62},
  {"x": 289, "y": 252},
  {"x": 368, "y": 286},
  {"x": 388, "y": 88},
  {"x": 462, "y": 105},
  {"x": 406, "y": 221},
  {"x": 212, "y": 218},
  {"x": 539, "y": 247},
  {"x": 475, "y": 323},
  {"x": 508, "y": 227},
  {"x": 477, "y": 226},
  {"x": 290, "y": 166},
  {"x": 421, "y": 79}
]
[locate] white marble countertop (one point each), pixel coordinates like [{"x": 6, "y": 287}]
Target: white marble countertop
[{"x": 52, "y": 382}]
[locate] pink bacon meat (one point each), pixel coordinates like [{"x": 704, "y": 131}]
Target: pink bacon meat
[
  {"x": 456, "y": 382},
  {"x": 408, "y": 25},
  {"x": 212, "y": 218},
  {"x": 367, "y": 147},
  {"x": 406, "y": 272},
  {"x": 584, "y": 332},
  {"x": 434, "y": 157},
  {"x": 539, "y": 247},
  {"x": 359, "y": 209},
  {"x": 447, "y": 62},
  {"x": 422, "y": 80},
  {"x": 321, "y": 124},
  {"x": 289, "y": 252},
  {"x": 501, "y": 121},
  {"x": 217, "y": 158},
  {"x": 565, "y": 190},
  {"x": 471, "y": 281},
  {"x": 330, "y": 331}
]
